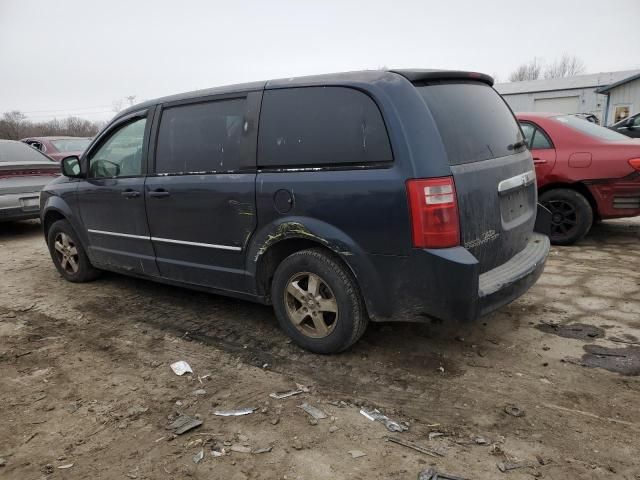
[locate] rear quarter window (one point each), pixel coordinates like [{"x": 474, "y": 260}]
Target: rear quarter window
[
  {"x": 473, "y": 120},
  {"x": 328, "y": 126}
]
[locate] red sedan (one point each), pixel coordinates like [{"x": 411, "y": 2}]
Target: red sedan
[
  {"x": 585, "y": 172},
  {"x": 58, "y": 148}
]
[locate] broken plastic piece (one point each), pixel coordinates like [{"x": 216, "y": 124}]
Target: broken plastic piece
[
  {"x": 313, "y": 411},
  {"x": 234, "y": 413},
  {"x": 181, "y": 367},
  {"x": 506, "y": 466},
  {"x": 261, "y": 450},
  {"x": 184, "y": 423},
  {"x": 514, "y": 410},
  {"x": 198, "y": 456},
  {"x": 391, "y": 425},
  {"x": 64, "y": 467},
  {"x": 356, "y": 453},
  {"x": 433, "y": 474}
]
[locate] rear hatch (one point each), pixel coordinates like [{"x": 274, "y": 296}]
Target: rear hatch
[{"x": 492, "y": 169}]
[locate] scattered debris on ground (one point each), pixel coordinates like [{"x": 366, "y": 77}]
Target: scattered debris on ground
[
  {"x": 418, "y": 448},
  {"x": 375, "y": 415},
  {"x": 183, "y": 424},
  {"x": 234, "y": 413},
  {"x": 181, "y": 367},
  {"x": 315, "y": 413}
]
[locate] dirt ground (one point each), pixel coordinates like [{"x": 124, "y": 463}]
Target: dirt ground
[{"x": 85, "y": 381}]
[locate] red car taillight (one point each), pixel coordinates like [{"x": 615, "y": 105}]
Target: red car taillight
[
  {"x": 434, "y": 212},
  {"x": 635, "y": 163}
]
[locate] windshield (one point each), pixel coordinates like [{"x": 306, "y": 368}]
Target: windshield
[
  {"x": 20, "y": 152},
  {"x": 591, "y": 129},
  {"x": 71, "y": 144},
  {"x": 473, "y": 120}
]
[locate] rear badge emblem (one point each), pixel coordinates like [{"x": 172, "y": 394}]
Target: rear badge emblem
[{"x": 486, "y": 237}]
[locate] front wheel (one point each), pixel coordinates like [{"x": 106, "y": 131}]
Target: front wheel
[
  {"x": 317, "y": 302},
  {"x": 571, "y": 215},
  {"x": 68, "y": 255}
]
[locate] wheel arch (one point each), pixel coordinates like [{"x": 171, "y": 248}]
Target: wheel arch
[
  {"x": 275, "y": 242},
  {"x": 578, "y": 187}
]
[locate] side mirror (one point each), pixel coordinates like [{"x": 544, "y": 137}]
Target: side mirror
[{"x": 70, "y": 167}]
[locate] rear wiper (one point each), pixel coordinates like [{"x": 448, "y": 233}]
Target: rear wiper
[{"x": 517, "y": 145}]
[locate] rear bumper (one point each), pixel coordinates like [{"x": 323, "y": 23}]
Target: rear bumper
[
  {"x": 507, "y": 282},
  {"x": 446, "y": 284},
  {"x": 617, "y": 198},
  {"x": 19, "y": 206}
]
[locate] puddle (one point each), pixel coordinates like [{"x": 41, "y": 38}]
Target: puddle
[
  {"x": 580, "y": 331},
  {"x": 620, "y": 360}
]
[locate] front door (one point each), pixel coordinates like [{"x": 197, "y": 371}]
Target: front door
[
  {"x": 201, "y": 196},
  {"x": 112, "y": 201}
]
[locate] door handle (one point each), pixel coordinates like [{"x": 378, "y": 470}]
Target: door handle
[
  {"x": 539, "y": 160},
  {"x": 128, "y": 193},
  {"x": 159, "y": 193}
]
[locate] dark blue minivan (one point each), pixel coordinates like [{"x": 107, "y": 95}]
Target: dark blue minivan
[{"x": 378, "y": 195}]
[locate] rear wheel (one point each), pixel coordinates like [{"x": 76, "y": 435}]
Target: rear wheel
[
  {"x": 317, "y": 302},
  {"x": 68, "y": 255},
  {"x": 571, "y": 215}
]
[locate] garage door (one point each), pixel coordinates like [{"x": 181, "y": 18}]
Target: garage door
[{"x": 558, "y": 104}]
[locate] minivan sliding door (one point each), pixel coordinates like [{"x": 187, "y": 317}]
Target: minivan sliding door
[{"x": 201, "y": 195}]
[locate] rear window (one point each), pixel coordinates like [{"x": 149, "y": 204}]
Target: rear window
[
  {"x": 71, "y": 144},
  {"x": 591, "y": 129},
  {"x": 202, "y": 137},
  {"x": 20, "y": 152},
  {"x": 321, "y": 126},
  {"x": 474, "y": 122}
]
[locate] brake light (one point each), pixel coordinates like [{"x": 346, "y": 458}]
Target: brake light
[
  {"x": 434, "y": 212},
  {"x": 635, "y": 163}
]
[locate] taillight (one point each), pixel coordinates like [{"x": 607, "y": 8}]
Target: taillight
[
  {"x": 434, "y": 212},
  {"x": 635, "y": 163}
]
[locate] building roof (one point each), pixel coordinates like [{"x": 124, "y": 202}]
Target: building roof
[
  {"x": 602, "y": 79},
  {"x": 611, "y": 86}
]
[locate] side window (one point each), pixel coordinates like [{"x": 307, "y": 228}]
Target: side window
[
  {"x": 636, "y": 121},
  {"x": 528, "y": 130},
  {"x": 540, "y": 140},
  {"x": 121, "y": 154},
  {"x": 202, "y": 137},
  {"x": 321, "y": 126}
]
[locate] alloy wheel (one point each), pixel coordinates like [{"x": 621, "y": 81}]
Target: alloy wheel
[
  {"x": 311, "y": 305},
  {"x": 66, "y": 253},
  {"x": 564, "y": 217}
]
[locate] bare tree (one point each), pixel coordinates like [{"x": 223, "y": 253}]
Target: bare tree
[
  {"x": 15, "y": 126},
  {"x": 565, "y": 66},
  {"x": 12, "y": 125},
  {"x": 131, "y": 99},
  {"x": 527, "y": 71}
]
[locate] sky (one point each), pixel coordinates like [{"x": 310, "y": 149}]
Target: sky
[{"x": 78, "y": 57}]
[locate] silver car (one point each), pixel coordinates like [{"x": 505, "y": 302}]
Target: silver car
[{"x": 23, "y": 173}]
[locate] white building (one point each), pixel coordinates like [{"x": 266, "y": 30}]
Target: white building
[
  {"x": 579, "y": 94},
  {"x": 623, "y": 98}
]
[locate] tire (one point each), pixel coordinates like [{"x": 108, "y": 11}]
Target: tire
[
  {"x": 322, "y": 283},
  {"x": 63, "y": 243},
  {"x": 571, "y": 215}
]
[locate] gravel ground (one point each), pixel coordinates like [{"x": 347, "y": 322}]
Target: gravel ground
[{"x": 548, "y": 384}]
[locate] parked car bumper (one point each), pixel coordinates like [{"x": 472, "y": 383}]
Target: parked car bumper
[
  {"x": 617, "y": 198},
  {"x": 446, "y": 284},
  {"x": 19, "y": 206}
]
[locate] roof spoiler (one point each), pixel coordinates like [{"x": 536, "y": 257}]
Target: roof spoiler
[{"x": 428, "y": 75}]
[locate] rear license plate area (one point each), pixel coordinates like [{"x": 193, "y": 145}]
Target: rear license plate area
[{"x": 516, "y": 204}]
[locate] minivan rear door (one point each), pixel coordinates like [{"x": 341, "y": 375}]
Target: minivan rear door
[
  {"x": 201, "y": 195},
  {"x": 492, "y": 169}
]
